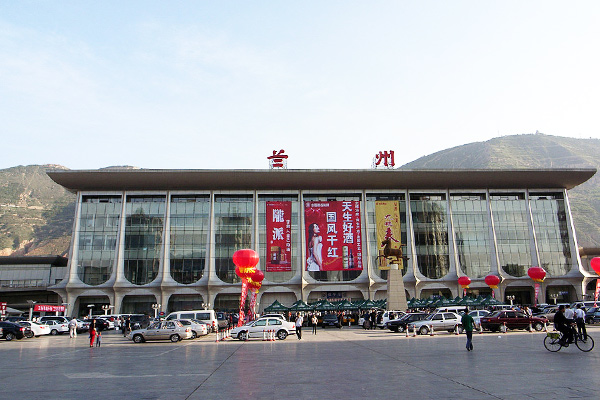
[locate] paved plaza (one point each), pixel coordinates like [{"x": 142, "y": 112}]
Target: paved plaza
[{"x": 350, "y": 363}]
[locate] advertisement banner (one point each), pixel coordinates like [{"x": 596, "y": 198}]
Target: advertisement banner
[
  {"x": 537, "y": 293},
  {"x": 2, "y": 308},
  {"x": 48, "y": 308},
  {"x": 242, "y": 314},
  {"x": 279, "y": 236},
  {"x": 333, "y": 235},
  {"x": 387, "y": 222},
  {"x": 597, "y": 292}
]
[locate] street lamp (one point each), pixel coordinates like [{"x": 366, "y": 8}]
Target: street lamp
[
  {"x": 90, "y": 306},
  {"x": 156, "y": 307},
  {"x": 554, "y": 297},
  {"x": 31, "y": 303},
  {"x": 510, "y": 298},
  {"x": 106, "y": 307},
  {"x": 206, "y": 306}
]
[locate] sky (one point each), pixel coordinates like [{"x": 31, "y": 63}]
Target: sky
[{"x": 222, "y": 84}]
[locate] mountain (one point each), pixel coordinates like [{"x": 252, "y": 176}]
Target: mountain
[
  {"x": 534, "y": 151},
  {"x": 36, "y": 214}
]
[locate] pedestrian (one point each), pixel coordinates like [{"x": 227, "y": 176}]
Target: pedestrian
[
  {"x": 467, "y": 324},
  {"x": 73, "y": 328},
  {"x": 373, "y": 319},
  {"x": 580, "y": 321},
  {"x": 127, "y": 328},
  {"x": 314, "y": 322},
  {"x": 299, "y": 321},
  {"x": 98, "y": 338},
  {"x": 93, "y": 332}
]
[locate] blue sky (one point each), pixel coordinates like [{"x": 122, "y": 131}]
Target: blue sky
[{"x": 222, "y": 84}]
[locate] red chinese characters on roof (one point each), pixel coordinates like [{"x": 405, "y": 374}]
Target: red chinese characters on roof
[
  {"x": 278, "y": 159},
  {"x": 385, "y": 159}
]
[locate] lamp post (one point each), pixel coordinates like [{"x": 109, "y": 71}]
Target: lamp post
[
  {"x": 156, "y": 307},
  {"x": 90, "y": 307},
  {"x": 31, "y": 303},
  {"x": 510, "y": 298},
  {"x": 554, "y": 297},
  {"x": 106, "y": 307}
]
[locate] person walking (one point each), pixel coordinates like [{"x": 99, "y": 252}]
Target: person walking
[
  {"x": 314, "y": 322},
  {"x": 467, "y": 323},
  {"x": 580, "y": 321},
  {"x": 93, "y": 332},
  {"x": 299, "y": 321},
  {"x": 98, "y": 338},
  {"x": 73, "y": 328}
]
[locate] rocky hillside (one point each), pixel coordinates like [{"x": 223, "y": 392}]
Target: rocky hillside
[
  {"x": 534, "y": 151},
  {"x": 36, "y": 214}
]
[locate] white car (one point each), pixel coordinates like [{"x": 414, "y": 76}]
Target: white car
[
  {"x": 477, "y": 314},
  {"x": 165, "y": 330},
  {"x": 57, "y": 327},
  {"x": 198, "y": 328},
  {"x": 388, "y": 316},
  {"x": 36, "y": 328},
  {"x": 256, "y": 329},
  {"x": 447, "y": 321}
]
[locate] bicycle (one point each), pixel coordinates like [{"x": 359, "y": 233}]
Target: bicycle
[{"x": 553, "y": 342}]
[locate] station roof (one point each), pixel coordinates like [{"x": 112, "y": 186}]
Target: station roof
[
  {"x": 294, "y": 179},
  {"x": 57, "y": 261}
]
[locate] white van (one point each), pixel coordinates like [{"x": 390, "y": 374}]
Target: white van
[
  {"x": 454, "y": 309},
  {"x": 209, "y": 317},
  {"x": 388, "y": 316}
]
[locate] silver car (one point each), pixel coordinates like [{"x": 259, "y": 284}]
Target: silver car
[
  {"x": 198, "y": 327},
  {"x": 165, "y": 330},
  {"x": 439, "y": 321}
]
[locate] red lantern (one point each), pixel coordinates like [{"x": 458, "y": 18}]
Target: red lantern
[
  {"x": 464, "y": 281},
  {"x": 596, "y": 264},
  {"x": 257, "y": 276},
  {"x": 492, "y": 281},
  {"x": 254, "y": 285},
  {"x": 538, "y": 274},
  {"x": 245, "y": 261}
]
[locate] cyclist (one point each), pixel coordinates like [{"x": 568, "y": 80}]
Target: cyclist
[{"x": 562, "y": 324}]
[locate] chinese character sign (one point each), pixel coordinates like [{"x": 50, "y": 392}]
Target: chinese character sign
[
  {"x": 278, "y": 159},
  {"x": 2, "y": 308},
  {"x": 387, "y": 220},
  {"x": 333, "y": 235},
  {"x": 279, "y": 236},
  {"x": 48, "y": 308},
  {"x": 384, "y": 159}
]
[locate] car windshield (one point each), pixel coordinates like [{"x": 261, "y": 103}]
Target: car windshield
[
  {"x": 197, "y": 322},
  {"x": 495, "y": 314}
]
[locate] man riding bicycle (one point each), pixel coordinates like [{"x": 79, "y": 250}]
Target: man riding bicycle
[{"x": 562, "y": 324}]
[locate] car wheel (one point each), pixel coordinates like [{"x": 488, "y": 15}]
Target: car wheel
[
  {"x": 538, "y": 326},
  {"x": 397, "y": 329},
  {"x": 175, "y": 338},
  {"x": 281, "y": 335},
  {"x": 54, "y": 332},
  {"x": 29, "y": 335},
  {"x": 242, "y": 335},
  {"x": 194, "y": 335},
  {"x": 138, "y": 339},
  {"x": 9, "y": 336},
  {"x": 424, "y": 330}
]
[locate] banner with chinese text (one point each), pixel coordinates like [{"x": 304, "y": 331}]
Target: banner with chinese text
[
  {"x": 48, "y": 308},
  {"x": 279, "y": 236},
  {"x": 333, "y": 235},
  {"x": 387, "y": 222}
]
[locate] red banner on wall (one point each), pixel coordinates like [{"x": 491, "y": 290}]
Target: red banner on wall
[
  {"x": 333, "y": 235},
  {"x": 48, "y": 308},
  {"x": 279, "y": 236}
]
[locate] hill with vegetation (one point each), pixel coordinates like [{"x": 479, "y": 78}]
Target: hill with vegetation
[{"x": 534, "y": 151}]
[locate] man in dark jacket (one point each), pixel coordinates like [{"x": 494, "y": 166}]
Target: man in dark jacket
[{"x": 561, "y": 323}]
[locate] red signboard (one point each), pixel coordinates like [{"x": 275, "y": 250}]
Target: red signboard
[
  {"x": 279, "y": 236},
  {"x": 333, "y": 235},
  {"x": 2, "y": 308},
  {"x": 48, "y": 308}
]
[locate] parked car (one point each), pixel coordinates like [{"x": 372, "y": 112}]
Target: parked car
[
  {"x": 165, "y": 330},
  {"x": 11, "y": 330},
  {"x": 331, "y": 320},
  {"x": 388, "y": 316},
  {"x": 198, "y": 328},
  {"x": 58, "y": 318},
  {"x": 57, "y": 327},
  {"x": 592, "y": 315},
  {"x": 513, "y": 320},
  {"x": 139, "y": 321},
  {"x": 399, "y": 325},
  {"x": 82, "y": 326},
  {"x": 256, "y": 328},
  {"x": 101, "y": 324},
  {"x": 547, "y": 313},
  {"x": 14, "y": 318},
  {"x": 35, "y": 329},
  {"x": 477, "y": 315},
  {"x": 440, "y": 321},
  {"x": 209, "y": 317},
  {"x": 222, "y": 320}
]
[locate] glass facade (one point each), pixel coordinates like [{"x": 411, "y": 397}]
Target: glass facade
[
  {"x": 509, "y": 213},
  {"x": 144, "y": 222},
  {"x": 471, "y": 234},
  {"x": 189, "y": 228},
  {"x": 551, "y": 232},
  {"x": 279, "y": 276},
  {"x": 333, "y": 276},
  {"x": 373, "y": 242},
  {"x": 430, "y": 226},
  {"x": 98, "y": 230},
  {"x": 233, "y": 231}
]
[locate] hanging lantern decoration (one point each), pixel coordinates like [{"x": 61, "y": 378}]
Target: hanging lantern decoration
[
  {"x": 464, "y": 282},
  {"x": 245, "y": 261},
  {"x": 257, "y": 275},
  {"x": 492, "y": 281},
  {"x": 595, "y": 263},
  {"x": 538, "y": 274}
]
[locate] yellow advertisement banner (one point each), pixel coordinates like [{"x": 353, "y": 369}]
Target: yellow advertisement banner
[{"x": 387, "y": 220}]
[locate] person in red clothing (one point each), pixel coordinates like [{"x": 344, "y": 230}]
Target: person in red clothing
[{"x": 92, "y": 332}]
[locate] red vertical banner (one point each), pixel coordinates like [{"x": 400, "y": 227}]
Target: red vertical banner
[
  {"x": 597, "y": 292},
  {"x": 333, "y": 235},
  {"x": 279, "y": 236},
  {"x": 537, "y": 292},
  {"x": 242, "y": 317}
]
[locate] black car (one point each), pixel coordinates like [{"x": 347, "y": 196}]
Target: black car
[
  {"x": 592, "y": 315},
  {"x": 11, "y": 331},
  {"x": 101, "y": 324},
  {"x": 331, "y": 320},
  {"x": 399, "y": 325},
  {"x": 139, "y": 321}
]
